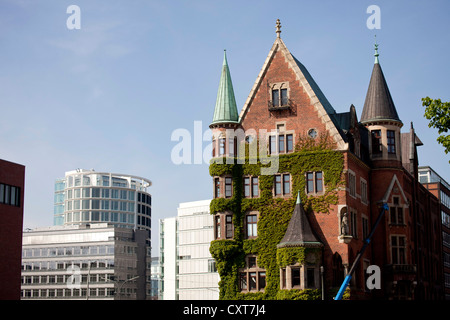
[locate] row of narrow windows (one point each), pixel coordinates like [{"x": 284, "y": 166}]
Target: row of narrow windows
[
  {"x": 278, "y": 144},
  {"x": 284, "y": 143},
  {"x": 9, "y": 195},
  {"x": 223, "y": 187}
]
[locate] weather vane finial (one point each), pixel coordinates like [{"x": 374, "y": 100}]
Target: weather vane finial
[
  {"x": 278, "y": 27},
  {"x": 376, "y": 50}
]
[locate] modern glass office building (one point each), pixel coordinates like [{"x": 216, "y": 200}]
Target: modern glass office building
[
  {"x": 87, "y": 196},
  {"x": 188, "y": 272},
  {"x": 86, "y": 261}
]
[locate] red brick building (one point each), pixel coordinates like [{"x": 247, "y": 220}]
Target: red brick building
[
  {"x": 441, "y": 189},
  {"x": 12, "y": 181},
  {"x": 296, "y": 130}
]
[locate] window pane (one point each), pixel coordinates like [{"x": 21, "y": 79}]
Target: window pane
[
  {"x": 246, "y": 187},
  {"x": 376, "y": 142},
  {"x": 252, "y": 262},
  {"x": 286, "y": 184},
  {"x": 391, "y": 141},
  {"x": 281, "y": 143},
  {"x": 284, "y": 98},
  {"x": 7, "y": 194},
  {"x": 252, "y": 280},
  {"x": 95, "y": 192},
  {"x": 289, "y": 143},
  {"x": 319, "y": 182},
  {"x": 277, "y": 185},
  {"x": 295, "y": 276},
  {"x": 255, "y": 188},
  {"x": 221, "y": 147},
  {"x": 309, "y": 182},
  {"x": 86, "y": 192},
  {"x": 243, "y": 277},
  {"x": 272, "y": 145},
  {"x": 217, "y": 187},
  {"x": 251, "y": 225},
  {"x": 229, "y": 226},
  {"x": 275, "y": 98},
  {"x": 228, "y": 187},
  {"x": 231, "y": 147},
  {"x": 262, "y": 280},
  {"x": 218, "y": 227}
]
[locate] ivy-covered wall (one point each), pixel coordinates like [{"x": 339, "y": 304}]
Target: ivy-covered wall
[{"x": 274, "y": 216}]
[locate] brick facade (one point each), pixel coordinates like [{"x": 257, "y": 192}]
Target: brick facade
[{"x": 368, "y": 182}]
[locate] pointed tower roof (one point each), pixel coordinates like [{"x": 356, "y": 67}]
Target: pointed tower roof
[
  {"x": 299, "y": 232},
  {"x": 378, "y": 105},
  {"x": 225, "y": 110}
]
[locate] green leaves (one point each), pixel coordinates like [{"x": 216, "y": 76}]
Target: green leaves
[
  {"x": 274, "y": 215},
  {"x": 438, "y": 113}
]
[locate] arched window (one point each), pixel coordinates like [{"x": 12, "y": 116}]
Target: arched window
[{"x": 338, "y": 270}]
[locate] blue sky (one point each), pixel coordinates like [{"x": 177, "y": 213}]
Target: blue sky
[{"x": 109, "y": 96}]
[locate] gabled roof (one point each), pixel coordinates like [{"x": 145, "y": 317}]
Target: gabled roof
[
  {"x": 378, "y": 105},
  {"x": 324, "y": 109},
  {"x": 225, "y": 110},
  {"x": 299, "y": 232}
]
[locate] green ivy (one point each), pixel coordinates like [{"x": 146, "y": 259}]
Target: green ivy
[
  {"x": 294, "y": 294},
  {"x": 274, "y": 216}
]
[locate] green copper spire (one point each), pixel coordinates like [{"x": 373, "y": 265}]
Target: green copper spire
[
  {"x": 299, "y": 200},
  {"x": 376, "y": 50},
  {"x": 226, "y": 110}
]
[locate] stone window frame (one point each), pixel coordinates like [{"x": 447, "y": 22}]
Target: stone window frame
[
  {"x": 314, "y": 175},
  {"x": 351, "y": 178},
  {"x": 280, "y": 131},
  {"x": 278, "y": 86},
  {"x": 251, "y": 213},
  {"x": 250, "y": 185},
  {"x": 393, "y": 210},
  {"x": 283, "y": 193},
  {"x": 220, "y": 184},
  {"x": 221, "y": 226},
  {"x": 286, "y": 279},
  {"x": 248, "y": 271},
  {"x": 364, "y": 191}
]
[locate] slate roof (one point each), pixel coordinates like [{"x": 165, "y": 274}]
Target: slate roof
[
  {"x": 226, "y": 109},
  {"x": 299, "y": 232},
  {"x": 378, "y": 104}
]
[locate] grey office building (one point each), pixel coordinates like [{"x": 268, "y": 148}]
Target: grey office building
[{"x": 86, "y": 261}]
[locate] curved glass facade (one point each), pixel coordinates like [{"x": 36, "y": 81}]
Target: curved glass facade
[{"x": 92, "y": 197}]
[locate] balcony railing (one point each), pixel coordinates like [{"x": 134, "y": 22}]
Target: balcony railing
[{"x": 283, "y": 104}]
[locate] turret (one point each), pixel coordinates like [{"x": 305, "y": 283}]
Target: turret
[
  {"x": 380, "y": 117},
  {"x": 225, "y": 115}
]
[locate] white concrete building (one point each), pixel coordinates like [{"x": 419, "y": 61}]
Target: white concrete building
[{"x": 188, "y": 270}]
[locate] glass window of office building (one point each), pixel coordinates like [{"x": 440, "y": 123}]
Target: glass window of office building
[
  {"x": 81, "y": 262},
  {"x": 87, "y": 196}
]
